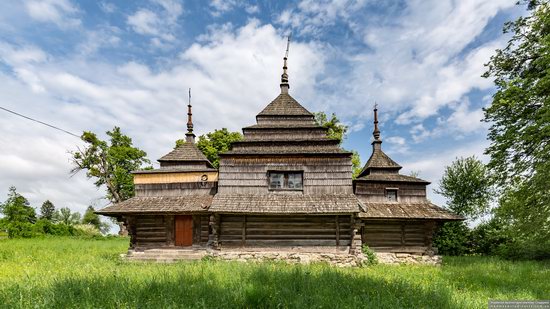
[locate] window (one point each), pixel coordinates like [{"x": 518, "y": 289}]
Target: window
[
  {"x": 391, "y": 195},
  {"x": 285, "y": 180}
]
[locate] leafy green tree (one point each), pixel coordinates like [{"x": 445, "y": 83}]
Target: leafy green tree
[
  {"x": 66, "y": 216},
  {"x": 520, "y": 125},
  {"x": 467, "y": 186},
  {"x": 110, "y": 163},
  {"x": 91, "y": 218},
  {"x": 213, "y": 143},
  {"x": 47, "y": 210},
  {"x": 17, "y": 208},
  {"x": 338, "y": 130}
]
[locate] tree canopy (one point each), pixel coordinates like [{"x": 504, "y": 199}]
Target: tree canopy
[
  {"x": 467, "y": 186},
  {"x": 520, "y": 124},
  {"x": 17, "y": 208},
  {"x": 47, "y": 210},
  {"x": 110, "y": 163},
  {"x": 213, "y": 143}
]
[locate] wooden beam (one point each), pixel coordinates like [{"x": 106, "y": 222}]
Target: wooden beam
[{"x": 337, "y": 231}]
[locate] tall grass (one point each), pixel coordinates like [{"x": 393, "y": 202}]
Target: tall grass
[{"x": 77, "y": 273}]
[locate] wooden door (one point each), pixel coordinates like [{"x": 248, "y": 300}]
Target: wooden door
[{"x": 184, "y": 230}]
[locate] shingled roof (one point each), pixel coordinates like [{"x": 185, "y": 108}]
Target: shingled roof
[
  {"x": 392, "y": 178},
  {"x": 186, "y": 152},
  {"x": 401, "y": 210},
  {"x": 159, "y": 204},
  {"x": 286, "y": 204},
  {"x": 380, "y": 160},
  {"x": 286, "y": 105}
]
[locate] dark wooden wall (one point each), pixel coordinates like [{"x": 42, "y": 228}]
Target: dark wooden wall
[
  {"x": 150, "y": 231},
  {"x": 275, "y": 231},
  {"x": 398, "y": 236},
  {"x": 249, "y": 175},
  {"x": 376, "y": 192},
  {"x": 156, "y": 231}
]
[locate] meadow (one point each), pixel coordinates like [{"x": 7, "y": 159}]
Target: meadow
[{"x": 88, "y": 273}]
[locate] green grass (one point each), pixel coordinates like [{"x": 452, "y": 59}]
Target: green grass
[{"x": 67, "y": 272}]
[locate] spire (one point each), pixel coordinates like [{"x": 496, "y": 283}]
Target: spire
[
  {"x": 284, "y": 77},
  {"x": 189, "y": 136},
  {"x": 376, "y": 133}
]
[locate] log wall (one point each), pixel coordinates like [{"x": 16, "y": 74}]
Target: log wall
[
  {"x": 151, "y": 231},
  {"x": 157, "y": 231},
  {"x": 398, "y": 236},
  {"x": 250, "y": 175},
  {"x": 376, "y": 192},
  {"x": 284, "y": 231}
]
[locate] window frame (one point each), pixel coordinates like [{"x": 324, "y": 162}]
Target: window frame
[
  {"x": 284, "y": 186},
  {"x": 386, "y": 195}
]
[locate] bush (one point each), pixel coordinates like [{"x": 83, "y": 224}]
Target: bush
[
  {"x": 453, "y": 238},
  {"x": 19, "y": 229},
  {"x": 370, "y": 255},
  {"x": 488, "y": 238},
  {"x": 87, "y": 230}
]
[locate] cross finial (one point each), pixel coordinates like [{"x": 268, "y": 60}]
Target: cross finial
[
  {"x": 189, "y": 136},
  {"x": 376, "y": 132},
  {"x": 284, "y": 77}
]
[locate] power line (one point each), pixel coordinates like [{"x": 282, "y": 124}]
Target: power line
[{"x": 38, "y": 121}]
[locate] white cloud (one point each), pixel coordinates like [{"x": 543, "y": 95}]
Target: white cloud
[
  {"x": 234, "y": 73},
  {"x": 60, "y": 12},
  {"x": 419, "y": 59},
  {"x": 160, "y": 24},
  {"x": 252, "y": 9},
  {"x": 107, "y": 7}
]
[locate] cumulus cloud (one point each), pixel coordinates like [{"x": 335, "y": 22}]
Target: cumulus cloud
[
  {"x": 233, "y": 74},
  {"x": 60, "y": 12},
  {"x": 160, "y": 24}
]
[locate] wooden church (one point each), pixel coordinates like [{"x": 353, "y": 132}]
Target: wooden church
[{"x": 286, "y": 186}]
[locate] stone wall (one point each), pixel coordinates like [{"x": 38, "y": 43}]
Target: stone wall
[
  {"x": 341, "y": 260},
  {"x": 408, "y": 258}
]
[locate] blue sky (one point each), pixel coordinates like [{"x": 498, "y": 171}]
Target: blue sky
[{"x": 91, "y": 65}]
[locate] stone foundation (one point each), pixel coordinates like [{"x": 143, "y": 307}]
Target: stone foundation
[
  {"x": 408, "y": 258},
  {"x": 337, "y": 259}
]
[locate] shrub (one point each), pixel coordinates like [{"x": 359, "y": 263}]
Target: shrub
[
  {"x": 87, "y": 230},
  {"x": 453, "y": 238},
  {"x": 370, "y": 255}
]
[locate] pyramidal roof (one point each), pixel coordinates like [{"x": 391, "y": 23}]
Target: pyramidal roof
[
  {"x": 185, "y": 152},
  {"x": 284, "y": 105}
]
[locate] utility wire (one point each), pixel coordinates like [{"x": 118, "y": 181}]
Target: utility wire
[{"x": 41, "y": 122}]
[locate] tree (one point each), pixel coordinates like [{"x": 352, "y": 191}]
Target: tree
[
  {"x": 17, "y": 208},
  {"x": 91, "y": 218},
  {"x": 338, "y": 130},
  {"x": 213, "y": 143},
  {"x": 466, "y": 185},
  {"x": 520, "y": 125},
  {"x": 110, "y": 164},
  {"x": 47, "y": 210},
  {"x": 64, "y": 215}
]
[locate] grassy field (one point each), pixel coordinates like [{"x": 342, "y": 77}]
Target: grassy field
[{"x": 66, "y": 272}]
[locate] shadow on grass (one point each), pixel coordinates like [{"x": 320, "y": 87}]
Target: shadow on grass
[{"x": 238, "y": 286}]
